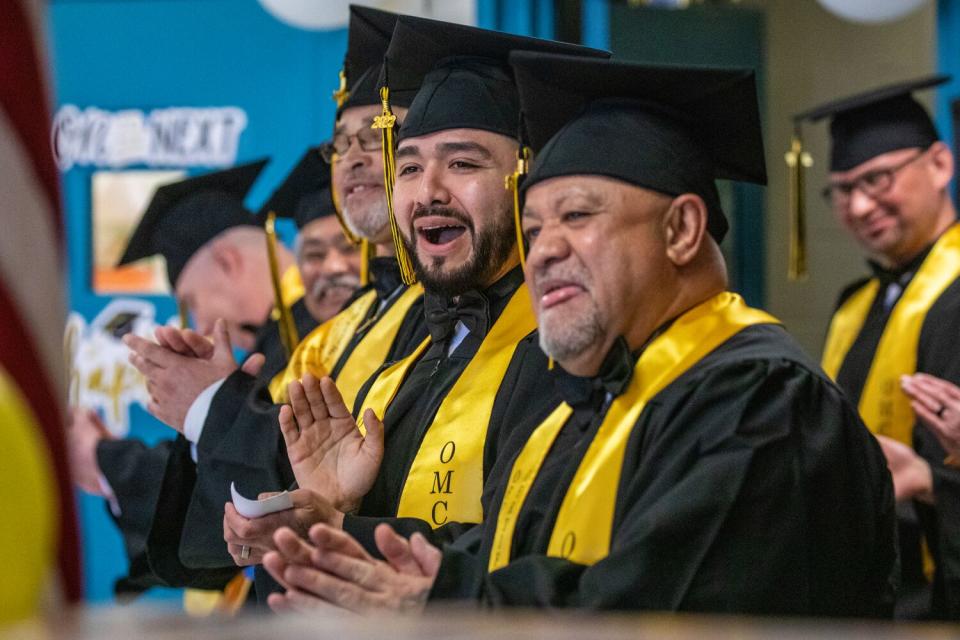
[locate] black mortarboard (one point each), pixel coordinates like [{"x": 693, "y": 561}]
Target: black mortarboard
[
  {"x": 183, "y": 216},
  {"x": 670, "y": 129},
  {"x": 874, "y": 122},
  {"x": 304, "y": 195},
  {"x": 368, "y": 37},
  {"x": 461, "y": 75}
]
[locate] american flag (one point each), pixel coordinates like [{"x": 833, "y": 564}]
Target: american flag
[{"x": 38, "y": 533}]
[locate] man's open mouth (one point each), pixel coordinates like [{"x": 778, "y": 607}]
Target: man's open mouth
[{"x": 442, "y": 234}]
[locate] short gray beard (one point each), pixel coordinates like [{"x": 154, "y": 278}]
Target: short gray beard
[
  {"x": 369, "y": 223},
  {"x": 566, "y": 335},
  {"x": 564, "y": 338}
]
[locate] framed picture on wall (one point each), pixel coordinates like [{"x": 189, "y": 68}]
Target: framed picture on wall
[{"x": 119, "y": 199}]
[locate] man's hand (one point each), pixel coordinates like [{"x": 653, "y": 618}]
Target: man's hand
[
  {"x": 912, "y": 478},
  {"x": 336, "y": 570},
  {"x": 174, "y": 380},
  {"x": 84, "y": 434},
  {"x": 327, "y": 452},
  {"x": 257, "y": 533},
  {"x": 186, "y": 342},
  {"x": 937, "y": 403}
]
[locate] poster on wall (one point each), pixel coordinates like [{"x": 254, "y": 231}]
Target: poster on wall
[{"x": 119, "y": 199}]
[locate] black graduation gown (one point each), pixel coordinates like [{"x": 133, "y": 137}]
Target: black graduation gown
[
  {"x": 241, "y": 442},
  {"x": 520, "y": 400},
  {"x": 749, "y": 485},
  {"x": 136, "y": 472},
  {"x": 938, "y": 524}
]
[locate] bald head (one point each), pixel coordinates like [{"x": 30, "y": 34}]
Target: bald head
[{"x": 229, "y": 278}]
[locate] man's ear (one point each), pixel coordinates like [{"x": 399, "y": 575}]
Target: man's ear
[
  {"x": 942, "y": 164},
  {"x": 685, "y": 224},
  {"x": 228, "y": 257}
]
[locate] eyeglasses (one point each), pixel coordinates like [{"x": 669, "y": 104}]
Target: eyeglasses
[
  {"x": 368, "y": 139},
  {"x": 872, "y": 184}
]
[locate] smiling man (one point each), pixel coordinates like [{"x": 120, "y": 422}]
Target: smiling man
[
  {"x": 447, "y": 408},
  {"x": 700, "y": 462},
  {"x": 889, "y": 187},
  {"x": 329, "y": 264}
]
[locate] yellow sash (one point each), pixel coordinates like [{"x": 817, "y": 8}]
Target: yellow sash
[
  {"x": 291, "y": 286},
  {"x": 291, "y": 290},
  {"x": 319, "y": 352},
  {"x": 883, "y": 406},
  {"x": 445, "y": 481},
  {"x": 584, "y": 524}
]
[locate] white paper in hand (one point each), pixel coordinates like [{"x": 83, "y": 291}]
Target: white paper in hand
[{"x": 257, "y": 508}]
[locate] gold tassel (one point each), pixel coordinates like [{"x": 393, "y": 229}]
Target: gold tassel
[
  {"x": 798, "y": 161},
  {"x": 352, "y": 238},
  {"x": 385, "y": 122},
  {"x": 184, "y": 313},
  {"x": 286, "y": 326},
  {"x": 341, "y": 95},
  {"x": 365, "y": 247},
  {"x": 512, "y": 183},
  {"x": 366, "y": 255}
]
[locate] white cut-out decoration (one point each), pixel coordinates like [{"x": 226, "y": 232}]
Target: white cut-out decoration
[
  {"x": 871, "y": 11},
  {"x": 172, "y": 137},
  {"x": 98, "y": 366}
]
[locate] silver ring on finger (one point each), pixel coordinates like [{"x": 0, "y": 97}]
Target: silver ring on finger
[{"x": 244, "y": 552}]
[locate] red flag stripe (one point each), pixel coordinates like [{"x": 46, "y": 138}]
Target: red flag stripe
[{"x": 24, "y": 100}]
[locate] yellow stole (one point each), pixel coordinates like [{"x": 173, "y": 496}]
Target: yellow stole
[
  {"x": 584, "y": 524},
  {"x": 319, "y": 352},
  {"x": 445, "y": 481},
  {"x": 291, "y": 286},
  {"x": 883, "y": 406}
]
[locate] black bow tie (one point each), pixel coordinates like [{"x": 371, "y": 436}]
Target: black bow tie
[
  {"x": 614, "y": 376},
  {"x": 471, "y": 308},
  {"x": 899, "y": 275},
  {"x": 385, "y": 276}
]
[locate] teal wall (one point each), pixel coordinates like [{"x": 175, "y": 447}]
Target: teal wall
[{"x": 147, "y": 54}]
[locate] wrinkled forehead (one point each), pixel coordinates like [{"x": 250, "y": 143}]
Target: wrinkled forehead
[{"x": 593, "y": 191}]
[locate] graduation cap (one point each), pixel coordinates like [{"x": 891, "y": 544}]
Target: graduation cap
[
  {"x": 461, "y": 74},
  {"x": 874, "y": 122},
  {"x": 462, "y": 80},
  {"x": 670, "y": 129},
  {"x": 183, "y": 216},
  {"x": 368, "y": 36},
  {"x": 862, "y": 126},
  {"x": 305, "y": 194}
]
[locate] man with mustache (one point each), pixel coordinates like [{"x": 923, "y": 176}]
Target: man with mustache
[
  {"x": 700, "y": 461},
  {"x": 446, "y": 409},
  {"x": 328, "y": 263},
  {"x": 892, "y": 340}
]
